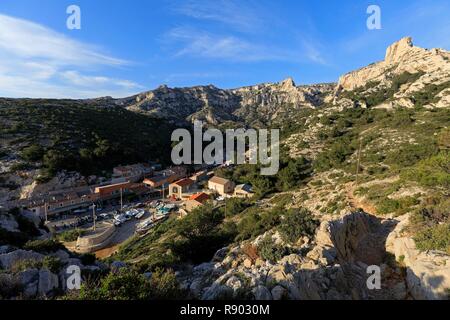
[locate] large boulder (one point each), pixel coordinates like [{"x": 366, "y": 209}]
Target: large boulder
[
  {"x": 9, "y": 223},
  {"x": 6, "y": 249},
  {"x": 29, "y": 280},
  {"x": 360, "y": 237},
  {"x": 427, "y": 273},
  {"x": 261, "y": 293},
  {"x": 217, "y": 292},
  {"x": 62, "y": 255},
  {"x": 360, "y": 242},
  {"x": 196, "y": 287},
  {"x": 47, "y": 282},
  {"x": 8, "y": 260},
  {"x": 279, "y": 293}
]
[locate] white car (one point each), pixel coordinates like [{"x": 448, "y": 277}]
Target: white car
[
  {"x": 120, "y": 218},
  {"x": 140, "y": 214}
]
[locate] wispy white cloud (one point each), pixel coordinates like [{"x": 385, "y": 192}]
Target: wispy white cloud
[
  {"x": 248, "y": 37},
  {"x": 36, "y": 61},
  {"x": 196, "y": 43},
  {"x": 244, "y": 17}
]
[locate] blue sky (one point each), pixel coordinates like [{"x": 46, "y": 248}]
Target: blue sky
[{"x": 125, "y": 47}]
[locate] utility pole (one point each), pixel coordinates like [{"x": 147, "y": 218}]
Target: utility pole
[
  {"x": 121, "y": 200},
  {"x": 358, "y": 161},
  {"x": 94, "y": 217},
  {"x": 46, "y": 213}
]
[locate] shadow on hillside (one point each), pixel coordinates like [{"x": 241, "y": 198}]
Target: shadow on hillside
[{"x": 359, "y": 241}]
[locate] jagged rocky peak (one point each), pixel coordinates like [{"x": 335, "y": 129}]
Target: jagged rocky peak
[
  {"x": 287, "y": 83},
  {"x": 398, "y": 49},
  {"x": 402, "y": 56}
]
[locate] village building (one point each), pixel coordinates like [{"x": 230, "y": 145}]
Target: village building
[
  {"x": 60, "y": 202},
  {"x": 132, "y": 173},
  {"x": 221, "y": 185},
  {"x": 178, "y": 189},
  {"x": 243, "y": 191},
  {"x": 164, "y": 177},
  {"x": 195, "y": 201},
  {"x": 112, "y": 190},
  {"x": 200, "y": 176}
]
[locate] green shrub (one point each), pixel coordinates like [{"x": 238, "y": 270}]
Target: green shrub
[
  {"x": 22, "y": 265},
  {"x": 256, "y": 222},
  {"x": 53, "y": 264},
  {"x": 335, "y": 155},
  {"x": 44, "y": 246},
  {"x": 88, "y": 259},
  {"x": 164, "y": 285},
  {"x": 19, "y": 167},
  {"x": 70, "y": 235},
  {"x": 434, "y": 238},
  {"x": 431, "y": 172},
  {"x": 397, "y": 206},
  {"x": 270, "y": 251},
  {"x": 234, "y": 206},
  {"x": 282, "y": 200},
  {"x": 428, "y": 94},
  {"x": 130, "y": 285},
  {"x": 32, "y": 153},
  {"x": 409, "y": 155},
  {"x": 298, "y": 223}
]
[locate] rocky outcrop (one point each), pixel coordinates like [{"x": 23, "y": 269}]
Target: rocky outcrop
[
  {"x": 8, "y": 260},
  {"x": 428, "y": 273},
  {"x": 402, "y": 56},
  {"x": 333, "y": 267}
]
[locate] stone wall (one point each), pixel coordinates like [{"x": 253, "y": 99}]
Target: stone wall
[{"x": 97, "y": 241}]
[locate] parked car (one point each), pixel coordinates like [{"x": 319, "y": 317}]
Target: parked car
[
  {"x": 140, "y": 214},
  {"x": 120, "y": 218}
]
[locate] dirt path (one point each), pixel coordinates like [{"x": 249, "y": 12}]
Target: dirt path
[{"x": 356, "y": 202}]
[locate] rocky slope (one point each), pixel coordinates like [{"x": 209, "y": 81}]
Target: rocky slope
[
  {"x": 31, "y": 265},
  {"x": 248, "y": 105},
  {"x": 432, "y": 67}
]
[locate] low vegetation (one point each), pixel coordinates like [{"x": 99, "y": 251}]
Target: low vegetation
[
  {"x": 131, "y": 285},
  {"x": 88, "y": 137}
]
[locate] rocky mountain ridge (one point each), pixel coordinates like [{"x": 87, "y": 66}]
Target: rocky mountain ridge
[
  {"x": 263, "y": 103},
  {"x": 214, "y": 105}
]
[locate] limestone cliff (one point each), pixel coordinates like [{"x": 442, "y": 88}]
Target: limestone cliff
[{"x": 402, "y": 56}]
